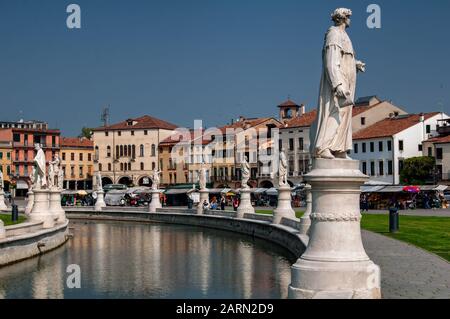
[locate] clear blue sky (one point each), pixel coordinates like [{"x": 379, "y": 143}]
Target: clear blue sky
[{"x": 214, "y": 60}]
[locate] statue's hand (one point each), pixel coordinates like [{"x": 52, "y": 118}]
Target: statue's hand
[
  {"x": 360, "y": 66},
  {"x": 340, "y": 92}
]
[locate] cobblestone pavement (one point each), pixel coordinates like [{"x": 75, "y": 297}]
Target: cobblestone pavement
[{"x": 407, "y": 271}]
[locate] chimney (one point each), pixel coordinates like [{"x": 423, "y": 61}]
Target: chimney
[
  {"x": 421, "y": 117},
  {"x": 302, "y": 109}
]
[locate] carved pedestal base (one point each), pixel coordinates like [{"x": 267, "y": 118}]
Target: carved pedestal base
[
  {"x": 2, "y": 201},
  {"x": 335, "y": 264},
  {"x": 100, "y": 202},
  {"x": 2, "y": 230},
  {"x": 245, "y": 205},
  {"x": 55, "y": 206},
  {"x": 41, "y": 211},
  {"x": 284, "y": 206},
  {"x": 30, "y": 202},
  {"x": 204, "y": 195},
  {"x": 305, "y": 220},
  {"x": 156, "y": 202}
]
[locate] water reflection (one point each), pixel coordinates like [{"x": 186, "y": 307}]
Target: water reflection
[{"x": 121, "y": 260}]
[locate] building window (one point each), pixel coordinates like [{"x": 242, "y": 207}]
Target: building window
[
  {"x": 400, "y": 145},
  {"x": 121, "y": 166},
  {"x": 119, "y": 133},
  {"x": 81, "y": 171},
  {"x": 363, "y": 147},
  {"x": 72, "y": 156},
  {"x": 363, "y": 121},
  {"x": 300, "y": 144},
  {"x": 390, "y": 168},
  {"x": 129, "y": 166},
  {"x": 153, "y": 165},
  {"x": 89, "y": 157},
  {"x": 372, "y": 168},
  {"x": 141, "y": 150},
  {"x": 438, "y": 153},
  {"x": 132, "y": 133},
  {"x": 108, "y": 151},
  {"x": 142, "y": 166},
  {"x": 81, "y": 156},
  {"x": 420, "y": 147},
  {"x": 381, "y": 168},
  {"x": 106, "y": 133},
  {"x": 355, "y": 148},
  {"x": 389, "y": 145},
  {"x": 280, "y": 145},
  {"x": 430, "y": 151},
  {"x": 380, "y": 146},
  {"x": 291, "y": 144},
  {"x": 109, "y": 166},
  {"x": 161, "y": 164},
  {"x": 428, "y": 129},
  {"x": 63, "y": 156},
  {"x": 364, "y": 168},
  {"x": 372, "y": 147},
  {"x": 72, "y": 171},
  {"x": 121, "y": 150},
  {"x": 153, "y": 150},
  {"x": 100, "y": 167},
  {"x": 400, "y": 165},
  {"x": 145, "y": 132}
]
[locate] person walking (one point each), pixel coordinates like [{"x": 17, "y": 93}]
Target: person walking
[{"x": 222, "y": 203}]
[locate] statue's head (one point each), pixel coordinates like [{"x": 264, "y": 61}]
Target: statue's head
[
  {"x": 37, "y": 146},
  {"x": 341, "y": 16}
]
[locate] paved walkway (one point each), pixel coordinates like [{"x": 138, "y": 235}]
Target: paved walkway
[
  {"x": 415, "y": 212},
  {"x": 407, "y": 271}
]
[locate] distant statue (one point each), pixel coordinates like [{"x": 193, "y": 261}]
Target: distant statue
[
  {"x": 282, "y": 170},
  {"x": 98, "y": 181},
  {"x": 39, "y": 163},
  {"x": 331, "y": 132},
  {"x": 53, "y": 172},
  {"x": 202, "y": 177},
  {"x": 61, "y": 180},
  {"x": 2, "y": 183},
  {"x": 245, "y": 170},
  {"x": 155, "y": 179},
  {"x": 33, "y": 177}
]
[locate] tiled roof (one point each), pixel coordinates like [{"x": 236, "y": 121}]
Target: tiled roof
[
  {"x": 76, "y": 142},
  {"x": 390, "y": 126},
  {"x": 358, "y": 109},
  {"x": 143, "y": 122},
  {"x": 175, "y": 138},
  {"x": 246, "y": 124},
  {"x": 302, "y": 121},
  {"x": 439, "y": 139},
  {"x": 289, "y": 102}
]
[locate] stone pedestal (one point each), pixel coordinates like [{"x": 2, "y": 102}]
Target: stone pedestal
[
  {"x": 204, "y": 195},
  {"x": 245, "y": 205},
  {"x": 55, "y": 205},
  {"x": 100, "y": 202},
  {"x": 30, "y": 202},
  {"x": 2, "y": 230},
  {"x": 284, "y": 206},
  {"x": 41, "y": 211},
  {"x": 2, "y": 201},
  {"x": 305, "y": 220},
  {"x": 156, "y": 202},
  {"x": 335, "y": 264}
]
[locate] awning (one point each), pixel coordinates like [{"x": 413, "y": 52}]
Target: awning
[
  {"x": 371, "y": 189},
  {"x": 21, "y": 184},
  {"x": 272, "y": 191},
  {"x": 441, "y": 188},
  {"x": 260, "y": 190},
  {"x": 177, "y": 191},
  {"x": 391, "y": 189}
]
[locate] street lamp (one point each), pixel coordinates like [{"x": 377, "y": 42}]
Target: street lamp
[{"x": 14, "y": 208}]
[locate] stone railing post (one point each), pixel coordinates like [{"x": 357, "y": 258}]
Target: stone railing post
[{"x": 305, "y": 220}]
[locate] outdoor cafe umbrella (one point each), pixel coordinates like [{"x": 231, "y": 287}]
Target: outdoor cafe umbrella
[{"x": 411, "y": 189}]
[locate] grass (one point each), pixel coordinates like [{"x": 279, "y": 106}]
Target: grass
[
  {"x": 429, "y": 233},
  {"x": 6, "y": 218}
]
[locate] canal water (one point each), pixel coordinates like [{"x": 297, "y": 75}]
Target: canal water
[{"x": 131, "y": 260}]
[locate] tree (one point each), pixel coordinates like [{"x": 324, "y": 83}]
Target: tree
[
  {"x": 417, "y": 170},
  {"x": 86, "y": 132}
]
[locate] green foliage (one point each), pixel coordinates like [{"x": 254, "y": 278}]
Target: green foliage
[
  {"x": 417, "y": 170},
  {"x": 86, "y": 132}
]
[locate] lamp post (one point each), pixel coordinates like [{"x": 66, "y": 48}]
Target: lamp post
[{"x": 14, "y": 208}]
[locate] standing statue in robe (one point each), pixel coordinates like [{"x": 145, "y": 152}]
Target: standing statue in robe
[
  {"x": 155, "y": 179},
  {"x": 53, "y": 172},
  {"x": 331, "y": 132},
  {"x": 282, "y": 170},
  {"x": 245, "y": 169},
  {"x": 98, "y": 181},
  {"x": 202, "y": 177},
  {"x": 2, "y": 183},
  {"x": 39, "y": 163}
]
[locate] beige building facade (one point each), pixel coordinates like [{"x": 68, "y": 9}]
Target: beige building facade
[{"x": 77, "y": 162}]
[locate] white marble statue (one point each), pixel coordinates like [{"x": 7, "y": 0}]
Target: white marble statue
[
  {"x": 155, "y": 179},
  {"x": 282, "y": 170},
  {"x": 61, "y": 180},
  {"x": 2, "y": 183},
  {"x": 331, "y": 132},
  {"x": 98, "y": 181},
  {"x": 245, "y": 170},
  {"x": 39, "y": 163},
  {"x": 53, "y": 172},
  {"x": 202, "y": 177}
]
